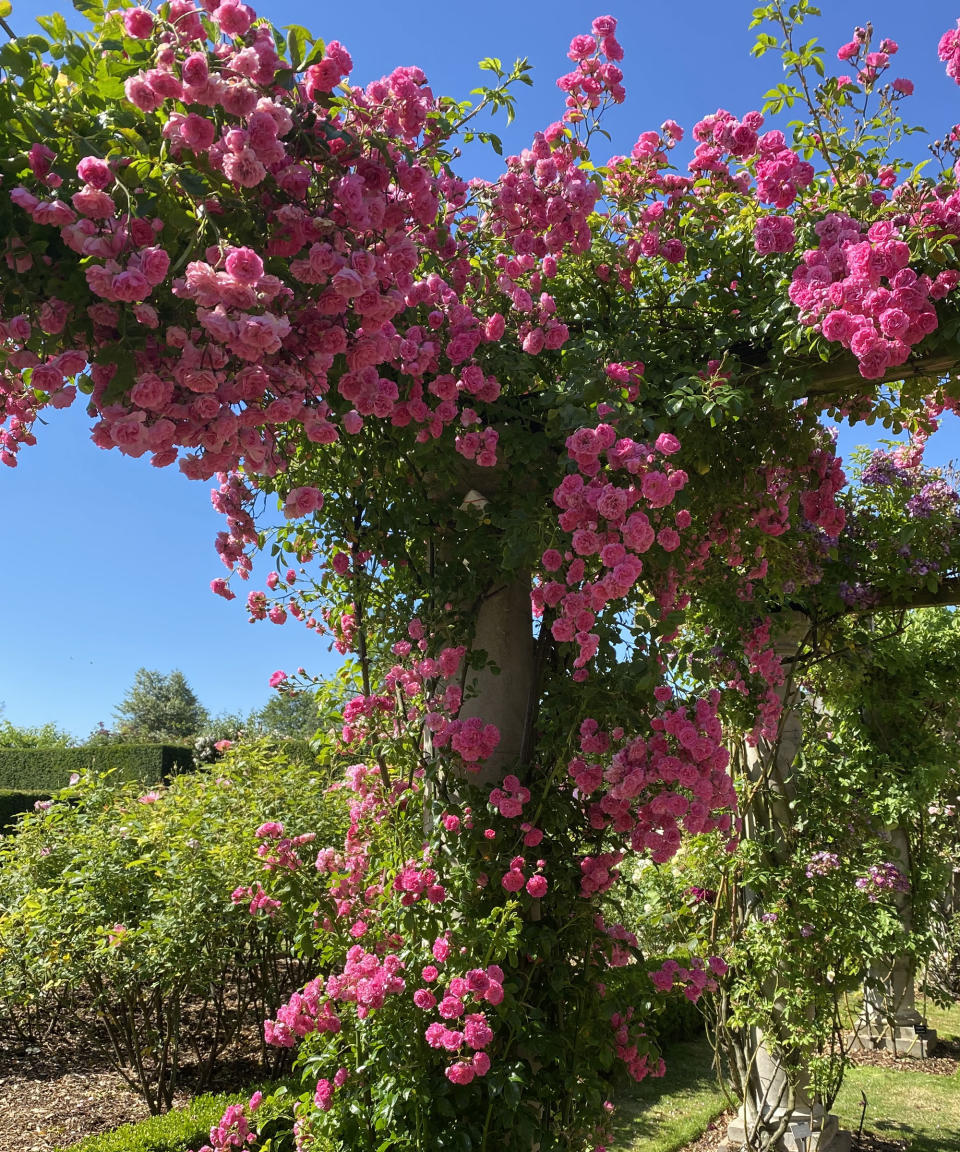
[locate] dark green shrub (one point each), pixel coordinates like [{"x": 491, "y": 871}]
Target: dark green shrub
[
  {"x": 47, "y": 769},
  {"x": 678, "y": 1020},
  {"x": 13, "y": 802}
]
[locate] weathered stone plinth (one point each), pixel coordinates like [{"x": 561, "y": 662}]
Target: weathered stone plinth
[
  {"x": 905, "y": 1040},
  {"x": 890, "y": 1021},
  {"x": 772, "y": 1098},
  {"x": 805, "y": 1132}
]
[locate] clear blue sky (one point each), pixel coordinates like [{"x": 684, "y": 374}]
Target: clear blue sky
[{"x": 105, "y": 562}]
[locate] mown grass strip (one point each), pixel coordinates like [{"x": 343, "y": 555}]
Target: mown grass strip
[{"x": 664, "y": 1115}]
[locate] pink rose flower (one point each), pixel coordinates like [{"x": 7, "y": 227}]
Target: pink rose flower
[{"x": 302, "y": 501}]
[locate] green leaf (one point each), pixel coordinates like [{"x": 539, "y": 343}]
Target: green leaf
[
  {"x": 298, "y": 38},
  {"x": 315, "y": 55}
]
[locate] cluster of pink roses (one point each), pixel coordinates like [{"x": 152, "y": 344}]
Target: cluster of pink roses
[
  {"x": 515, "y": 879},
  {"x": 818, "y": 482},
  {"x": 697, "y": 979},
  {"x": 478, "y": 984},
  {"x": 596, "y": 74},
  {"x": 763, "y": 662},
  {"x": 473, "y": 739},
  {"x": 774, "y": 234},
  {"x": 604, "y": 532},
  {"x": 416, "y": 881},
  {"x": 343, "y": 237},
  {"x": 862, "y": 293},
  {"x": 626, "y": 1033},
  {"x": 651, "y": 788},
  {"x": 305, "y": 1012},
  {"x": 819, "y": 504},
  {"x": 870, "y": 65},
  {"x": 233, "y": 1130},
  {"x": 949, "y": 52},
  {"x": 323, "y": 1095},
  {"x": 509, "y": 798},
  {"x": 258, "y": 899},
  {"x": 278, "y": 851},
  {"x": 366, "y": 980}
]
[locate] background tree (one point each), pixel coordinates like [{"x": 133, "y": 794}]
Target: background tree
[
  {"x": 160, "y": 707},
  {"x": 289, "y": 714}
]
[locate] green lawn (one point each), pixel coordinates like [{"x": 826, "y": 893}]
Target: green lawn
[
  {"x": 908, "y": 1105},
  {"x": 664, "y": 1115}
]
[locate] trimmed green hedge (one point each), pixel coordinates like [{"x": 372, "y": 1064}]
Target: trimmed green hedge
[
  {"x": 47, "y": 769},
  {"x": 679, "y": 1020},
  {"x": 12, "y": 803}
]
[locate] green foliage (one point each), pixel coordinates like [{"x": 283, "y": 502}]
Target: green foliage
[
  {"x": 666, "y": 1115},
  {"x": 36, "y": 736},
  {"x": 160, "y": 707},
  {"x": 290, "y": 714},
  {"x": 873, "y": 785},
  {"x": 180, "y": 1129},
  {"x": 48, "y": 769},
  {"x": 126, "y": 896}
]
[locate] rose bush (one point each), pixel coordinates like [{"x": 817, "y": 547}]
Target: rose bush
[{"x": 117, "y": 916}]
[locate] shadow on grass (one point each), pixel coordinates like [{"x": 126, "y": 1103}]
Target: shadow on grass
[
  {"x": 919, "y": 1140},
  {"x": 662, "y": 1115}
]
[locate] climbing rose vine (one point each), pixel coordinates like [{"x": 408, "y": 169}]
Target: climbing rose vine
[{"x": 504, "y": 440}]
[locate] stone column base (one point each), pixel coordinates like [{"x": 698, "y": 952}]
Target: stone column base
[
  {"x": 898, "y": 1039},
  {"x": 799, "y": 1136}
]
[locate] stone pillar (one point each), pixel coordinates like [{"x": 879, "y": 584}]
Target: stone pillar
[
  {"x": 889, "y": 1020},
  {"x": 774, "y": 1103},
  {"x": 504, "y": 631},
  {"x": 779, "y": 1110},
  {"x": 503, "y": 692}
]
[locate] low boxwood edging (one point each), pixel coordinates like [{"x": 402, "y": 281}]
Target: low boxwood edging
[
  {"x": 175, "y": 1131},
  {"x": 47, "y": 769},
  {"x": 181, "y": 1128}
]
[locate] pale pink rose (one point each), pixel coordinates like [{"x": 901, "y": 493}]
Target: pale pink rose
[{"x": 302, "y": 501}]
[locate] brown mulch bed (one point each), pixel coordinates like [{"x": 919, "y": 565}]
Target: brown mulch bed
[
  {"x": 59, "y": 1093},
  {"x": 38, "y": 1115},
  {"x": 56, "y": 1091},
  {"x": 945, "y": 1060},
  {"x": 871, "y": 1142}
]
